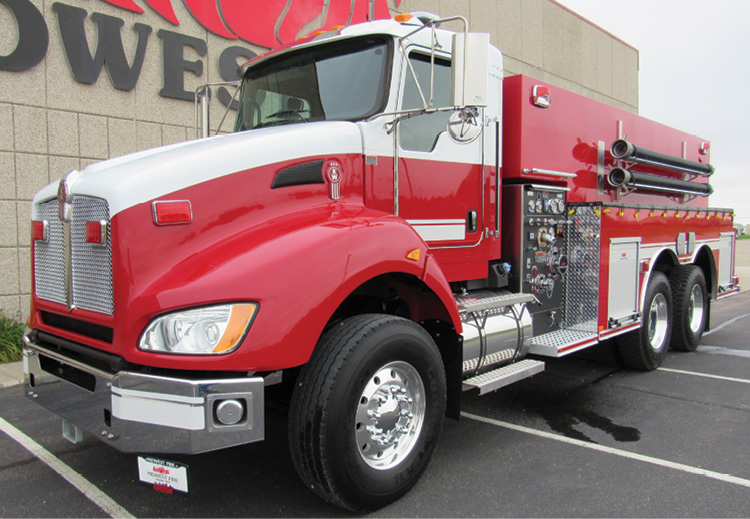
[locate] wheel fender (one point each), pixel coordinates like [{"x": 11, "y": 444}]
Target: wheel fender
[
  {"x": 704, "y": 258},
  {"x": 663, "y": 256}
]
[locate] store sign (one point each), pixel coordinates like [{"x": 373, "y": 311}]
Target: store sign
[
  {"x": 255, "y": 21},
  {"x": 267, "y": 23}
]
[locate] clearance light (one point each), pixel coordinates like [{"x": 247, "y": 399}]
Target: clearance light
[
  {"x": 172, "y": 212},
  {"x": 212, "y": 330},
  {"x": 39, "y": 230},
  {"x": 96, "y": 232},
  {"x": 413, "y": 255},
  {"x": 403, "y": 18},
  {"x": 541, "y": 96}
]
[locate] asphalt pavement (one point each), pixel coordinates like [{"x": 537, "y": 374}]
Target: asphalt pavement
[{"x": 585, "y": 438}]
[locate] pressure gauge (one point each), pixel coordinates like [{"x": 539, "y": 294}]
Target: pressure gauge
[
  {"x": 539, "y": 206},
  {"x": 532, "y": 206}
]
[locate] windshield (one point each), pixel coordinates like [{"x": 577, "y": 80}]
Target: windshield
[{"x": 344, "y": 80}]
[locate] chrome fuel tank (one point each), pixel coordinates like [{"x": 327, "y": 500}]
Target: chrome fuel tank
[{"x": 496, "y": 328}]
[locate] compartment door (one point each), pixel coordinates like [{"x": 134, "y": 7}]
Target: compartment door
[
  {"x": 726, "y": 253},
  {"x": 624, "y": 256}
]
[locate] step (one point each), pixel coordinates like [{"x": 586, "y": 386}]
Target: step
[
  {"x": 501, "y": 377},
  {"x": 561, "y": 342},
  {"x": 502, "y": 356},
  {"x": 471, "y": 304}
]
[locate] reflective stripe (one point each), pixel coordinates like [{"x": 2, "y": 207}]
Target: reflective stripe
[
  {"x": 440, "y": 230},
  {"x": 158, "y": 396},
  {"x": 158, "y": 412}
]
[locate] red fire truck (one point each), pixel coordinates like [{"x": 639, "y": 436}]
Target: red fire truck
[{"x": 391, "y": 223}]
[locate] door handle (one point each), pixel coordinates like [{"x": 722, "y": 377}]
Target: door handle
[{"x": 472, "y": 221}]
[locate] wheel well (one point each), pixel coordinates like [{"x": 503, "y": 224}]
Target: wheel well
[
  {"x": 409, "y": 297},
  {"x": 665, "y": 262},
  {"x": 706, "y": 262}
]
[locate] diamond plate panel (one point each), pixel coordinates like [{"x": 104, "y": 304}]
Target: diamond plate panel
[{"x": 581, "y": 300}]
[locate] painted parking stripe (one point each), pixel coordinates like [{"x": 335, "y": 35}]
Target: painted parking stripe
[
  {"x": 726, "y": 478},
  {"x": 94, "y": 494},
  {"x": 705, "y": 375},
  {"x": 725, "y": 324},
  {"x": 720, "y": 350}
]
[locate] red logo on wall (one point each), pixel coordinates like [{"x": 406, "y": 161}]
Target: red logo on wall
[{"x": 255, "y": 21}]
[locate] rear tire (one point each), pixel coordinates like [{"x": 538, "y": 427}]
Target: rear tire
[
  {"x": 690, "y": 310},
  {"x": 367, "y": 411},
  {"x": 646, "y": 347}
]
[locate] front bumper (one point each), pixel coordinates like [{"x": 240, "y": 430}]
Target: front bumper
[{"x": 136, "y": 412}]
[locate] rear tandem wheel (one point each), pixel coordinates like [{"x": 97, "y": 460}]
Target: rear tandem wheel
[
  {"x": 646, "y": 347},
  {"x": 690, "y": 314}
]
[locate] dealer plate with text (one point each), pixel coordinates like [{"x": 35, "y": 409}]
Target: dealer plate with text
[{"x": 164, "y": 476}]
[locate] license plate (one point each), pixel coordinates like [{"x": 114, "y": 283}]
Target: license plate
[{"x": 164, "y": 476}]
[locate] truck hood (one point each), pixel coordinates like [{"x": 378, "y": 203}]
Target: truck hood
[{"x": 143, "y": 176}]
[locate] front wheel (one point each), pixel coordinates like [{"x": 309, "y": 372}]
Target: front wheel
[
  {"x": 367, "y": 411},
  {"x": 646, "y": 347}
]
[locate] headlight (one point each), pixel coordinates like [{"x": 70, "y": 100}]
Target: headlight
[{"x": 203, "y": 331}]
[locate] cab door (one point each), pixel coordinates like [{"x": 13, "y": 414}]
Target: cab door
[{"x": 440, "y": 173}]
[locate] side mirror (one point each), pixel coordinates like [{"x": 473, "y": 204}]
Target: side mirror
[
  {"x": 470, "y": 69},
  {"x": 465, "y": 125}
]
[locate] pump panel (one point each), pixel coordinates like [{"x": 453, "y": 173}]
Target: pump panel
[{"x": 536, "y": 248}]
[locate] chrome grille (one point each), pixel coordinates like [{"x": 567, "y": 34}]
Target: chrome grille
[
  {"x": 91, "y": 263},
  {"x": 49, "y": 264}
]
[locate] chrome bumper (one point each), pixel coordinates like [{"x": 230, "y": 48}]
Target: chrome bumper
[{"x": 135, "y": 412}]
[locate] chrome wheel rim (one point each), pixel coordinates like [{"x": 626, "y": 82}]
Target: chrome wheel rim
[
  {"x": 658, "y": 319},
  {"x": 696, "y": 309},
  {"x": 390, "y": 414}
]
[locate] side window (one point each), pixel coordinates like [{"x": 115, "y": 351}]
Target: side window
[{"x": 421, "y": 133}]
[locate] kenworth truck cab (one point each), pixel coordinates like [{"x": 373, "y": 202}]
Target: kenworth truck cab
[{"x": 391, "y": 222}]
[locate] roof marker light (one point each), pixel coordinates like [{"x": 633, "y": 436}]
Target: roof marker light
[
  {"x": 172, "y": 212},
  {"x": 403, "y": 18}
]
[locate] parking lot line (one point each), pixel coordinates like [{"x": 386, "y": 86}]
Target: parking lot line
[
  {"x": 704, "y": 375},
  {"x": 725, "y": 324},
  {"x": 720, "y": 350},
  {"x": 726, "y": 478},
  {"x": 93, "y": 493}
]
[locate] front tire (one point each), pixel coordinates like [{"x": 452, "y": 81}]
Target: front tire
[
  {"x": 367, "y": 411},
  {"x": 646, "y": 347},
  {"x": 690, "y": 307}
]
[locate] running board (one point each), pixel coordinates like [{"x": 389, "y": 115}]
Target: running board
[{"x": 501, "y": 377}]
